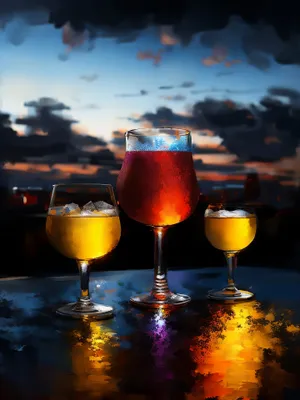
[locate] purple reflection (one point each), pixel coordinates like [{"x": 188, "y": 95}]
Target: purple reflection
[{"x": 160, "y": 333}]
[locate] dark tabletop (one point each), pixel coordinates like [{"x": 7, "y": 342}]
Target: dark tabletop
[{"x": 207, "y": 350}]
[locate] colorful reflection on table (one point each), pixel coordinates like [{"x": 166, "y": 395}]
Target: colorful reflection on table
[
  {"x": 239, "y": 352},
  {"x": 92, "y": 350},
  {"x": 160, "y": 333}
]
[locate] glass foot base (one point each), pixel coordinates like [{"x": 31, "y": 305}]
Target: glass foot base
[
  {"x": 148, "y": 300},
  {"x": 239, "y": 295},
  {"x": 76, "y": 310}
]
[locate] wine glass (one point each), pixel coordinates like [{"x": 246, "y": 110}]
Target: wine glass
[
  {"x": 230, "y": 228},
  {"x": 83, "y": 223},
  {"x": 157, "y": 186}
]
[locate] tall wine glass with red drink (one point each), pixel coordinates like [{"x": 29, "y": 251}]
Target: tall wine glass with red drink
[{"x": 157, "y": 186}]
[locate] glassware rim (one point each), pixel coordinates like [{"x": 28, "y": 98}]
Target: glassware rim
[
  {"x": 82, "y": 184},
  {"x": 135, "y": 132}
]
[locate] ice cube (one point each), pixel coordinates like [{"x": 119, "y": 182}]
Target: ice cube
[
  {"x": 107, "y": 211},
  {"x": 71, "y": 209},
  {"x": 59, "y": 210},
  {"x": 90, "y": 206},
  {"x": 87, "y": 213},
  {"x": 208, "y": 212},
  {"x": 102, "y": 205}
]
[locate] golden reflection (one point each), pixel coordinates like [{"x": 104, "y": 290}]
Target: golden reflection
[
  {"x": 91, "y": 353},
  {"x": 233, "y": 354}
]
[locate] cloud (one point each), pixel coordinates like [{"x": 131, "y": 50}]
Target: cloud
[
  {"x": 73, "y": 38},
  {"x": 141, "y": 93},
  {"x": 218, "y": 56},
  {"x": 167, "y": 36},
  {"x": 63, "y": 57},
  {"x": 86, "y": 140},
  {"x": 227, "y": 91},
  {"x": 260, "y": 42},
  {"x": 177, "y": 97},
  {"x": 209, "y": 150},
  {"x": 292, "y": 94},
  {"x": 268, "y": 132},
  {"x": 118, "y": 138},
  {"x": 91, "y": 106},
  {"x": 47, "y": 134},
  {"x": 187, "y": 84},
  {"x": 89, "y": 78},
  {"x": 224, "y": 73},
  {"x": 163, "y": 116},
  {"x": 261, "y": 35},
  {"x": 16, "y": 31},
  {"x": 156, "y": 57},
  {"x": 47, "y": 103},
  {"x": 165, "y": 87}
]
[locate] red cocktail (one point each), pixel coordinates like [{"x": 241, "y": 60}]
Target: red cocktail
[{"x": 157, "y": 186}]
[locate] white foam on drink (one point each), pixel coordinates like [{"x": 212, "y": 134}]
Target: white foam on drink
[{"x": 227, "y": 214}]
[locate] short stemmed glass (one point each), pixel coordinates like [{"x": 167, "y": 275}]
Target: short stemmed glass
[
  {"x": 83, "y": 224},
  {"x": 230, "y": 228},
  {"x": 157, "y": 186}
]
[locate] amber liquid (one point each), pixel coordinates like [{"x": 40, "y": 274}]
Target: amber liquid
[
  {"x": 230, "y": 234},
  {"x": 83, "y": 237},
  {"x": 158, "y": 188}
]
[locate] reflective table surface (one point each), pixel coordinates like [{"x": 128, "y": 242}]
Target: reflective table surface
[{"x": 207, "y": 350}]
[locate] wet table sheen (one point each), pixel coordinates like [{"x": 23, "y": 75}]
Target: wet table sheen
[{"x": 207, "y": 350}]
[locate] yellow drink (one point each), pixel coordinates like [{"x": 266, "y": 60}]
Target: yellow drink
[
  {"x": 83, "y": 237},
  {"x": 230, "y": 233}
]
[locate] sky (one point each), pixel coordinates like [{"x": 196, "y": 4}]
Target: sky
[
  {"x": 118, "y": 79},
  {"x": 93, "y": 83}
]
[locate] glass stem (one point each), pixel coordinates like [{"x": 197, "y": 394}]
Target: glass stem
[
  {"x": 84, "y": 273},
  {"x": 160, "y": 288},
  {"x": 231, "y": 259}
]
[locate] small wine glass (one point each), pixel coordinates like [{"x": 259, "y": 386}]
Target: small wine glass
[
  {"x": 83, "y": 223},
  {"x": 230, "y": 228}
]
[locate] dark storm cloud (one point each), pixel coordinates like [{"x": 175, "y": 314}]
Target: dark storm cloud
[
  {"x": 209, "y": 150},
  {"x": 266, "y": 132},
  {"x": 89, "y": 78},
  {"x": 118, "y": 138},
  {"x": 47, "y": 103},
  {"x": 261, "y": 42},
  {"x": 291, "y": 94},
  {"x": 48, "y": 133},
  {"x": 141, "y": 93},
  {"x": 260, "y": 32},
  {"x": 86, "y": 140},
  {"x": 163, "y": 116},
  {"x": 221, "y": 168}
]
